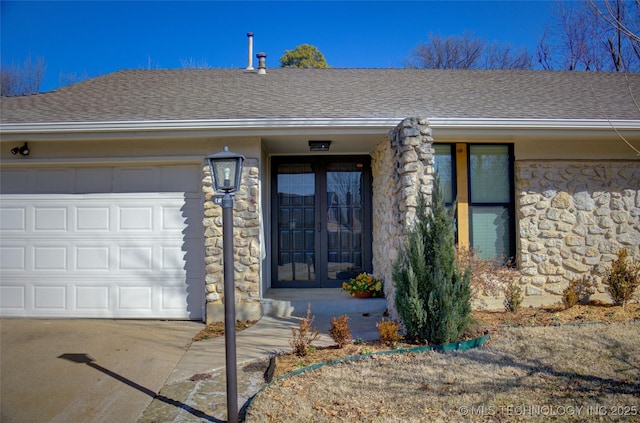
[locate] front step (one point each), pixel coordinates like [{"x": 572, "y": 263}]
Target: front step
[{"x": 285, "y": 302}]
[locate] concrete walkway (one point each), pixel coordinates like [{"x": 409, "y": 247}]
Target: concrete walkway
[{"x": 196, "y": 390}]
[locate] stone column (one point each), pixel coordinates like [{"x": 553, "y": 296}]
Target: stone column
[
  {"x": 402, "y": 167},
  {"x": 247, "y": 247}
]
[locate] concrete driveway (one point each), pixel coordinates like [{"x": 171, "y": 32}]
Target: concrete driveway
[{"x": 86, "y": 370}]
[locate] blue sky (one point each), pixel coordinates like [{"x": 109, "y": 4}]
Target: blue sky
[{"x": 96, "y": 37}]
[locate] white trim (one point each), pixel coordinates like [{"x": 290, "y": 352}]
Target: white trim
[
  {"x": 283, "y": 123},
  {"x": 572, "y": 124},
  {"x": 219, "y": 124},
  {"x": 104, "y": 161}
]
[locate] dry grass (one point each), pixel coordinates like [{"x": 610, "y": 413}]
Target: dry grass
[
  {"x": 567, "y": 373},
  {"x": 215, "y": 330}
]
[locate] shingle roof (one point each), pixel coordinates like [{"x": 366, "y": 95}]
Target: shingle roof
[{"x": 194, "y": 94}]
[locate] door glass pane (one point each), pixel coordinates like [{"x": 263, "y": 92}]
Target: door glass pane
[
  {"x": 296, "y": 222},
  {"x": 444, "y": 167},
  {"x": 489, "y": 173},
  {"x": 345, "y": 219},
  {"x": 490, "y": 231}
]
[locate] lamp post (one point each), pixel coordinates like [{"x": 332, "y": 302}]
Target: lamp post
[{"x": 226, "y": 172}]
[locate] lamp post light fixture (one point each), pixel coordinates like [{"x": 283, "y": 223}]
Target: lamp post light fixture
[{"x": 226, "y": 172}]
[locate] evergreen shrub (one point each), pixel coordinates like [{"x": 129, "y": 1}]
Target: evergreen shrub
[{"x": 433, "y": 296}]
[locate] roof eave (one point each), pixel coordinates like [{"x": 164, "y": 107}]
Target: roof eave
[{"x": 211, "y": 127}]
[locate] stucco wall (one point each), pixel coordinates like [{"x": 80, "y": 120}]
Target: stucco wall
[{"x": 572, "y": 216}]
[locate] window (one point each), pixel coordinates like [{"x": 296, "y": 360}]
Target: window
[
  {"x": 444, "y": 165},
  {"x": 490, "y": 202},
  {"x": 479, "y": 177}
]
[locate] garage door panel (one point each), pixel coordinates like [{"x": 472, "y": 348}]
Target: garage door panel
[
  {"x": 134, "y": 298},
  {"x": 135, "y": 219},
  {"x": 12, "y": 258},
  {"x": 135, "y": 258},
  {"x": 51, "y": 219},
  {"x": 131, "y": 296},
  {"x": 13, "y": 219},
  {"x": 47, "y": 297},
  {"x": 50, "y": 258},
  {"x": 93, "y": 219},
  {"x": 13, "y": 297},
  {"x": 126, "y": 255},
  {"x": 92, "y": 258},
  {"x": 92, "y": 298}
]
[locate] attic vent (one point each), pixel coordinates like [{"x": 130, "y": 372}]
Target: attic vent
[{"x": 262, "y": 65}]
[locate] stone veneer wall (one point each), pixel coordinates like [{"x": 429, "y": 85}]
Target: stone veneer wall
[
  {"x": 573, "y": 215},
  {"x": 247, "y": 247},
  {"x": 402, "y": 167}
]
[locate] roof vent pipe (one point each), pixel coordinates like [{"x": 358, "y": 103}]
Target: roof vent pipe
[
  {"x": 250, "y": 61},
  {"x": 262, "y": 67}
]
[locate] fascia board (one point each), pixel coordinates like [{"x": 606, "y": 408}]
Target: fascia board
[
  {"x": 194, "y": 125},
  {"x": 284, "y": 125},
  {"x": 540, "y": 124}
]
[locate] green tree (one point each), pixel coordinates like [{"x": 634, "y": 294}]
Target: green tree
[
  {"x": 433, "y": 296},
  {"x": 303, "y": 56}
]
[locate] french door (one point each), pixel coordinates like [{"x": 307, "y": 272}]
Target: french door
[{"x": 321, "y": 216}]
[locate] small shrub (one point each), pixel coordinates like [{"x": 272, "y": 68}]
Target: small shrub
[
  {"x": 340, "y": 331},
  {"x": 579, "y": 290},
  {"x": 570, "y": 294},
  {"x": 389, "y": 332},
  {"x": 304, "y": 335},
  {"x": 512, "y": 297},
  {"x": 487, "y": 274},
  {"x": 622, "y": 278}
]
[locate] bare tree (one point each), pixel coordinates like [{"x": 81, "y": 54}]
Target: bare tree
[
  {"x": 22, "y": 79},
  {"x": 467, "y": 51},
  {"x": 592, "y": 36},
  {"x": 72, "y": 78},
  {"x": 191, "y": 63},
  {"x": 504, "y": 56}
]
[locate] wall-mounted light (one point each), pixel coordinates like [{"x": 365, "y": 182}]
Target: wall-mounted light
[
  {"x": 24, "y": 150},
  {"x": 319, "y": 145}
]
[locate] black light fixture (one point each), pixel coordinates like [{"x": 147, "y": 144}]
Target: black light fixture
[
  {"x": 24, "y": 150},
  {"x": 319, "y": 145},
  {"x": 226, "y": 172}
]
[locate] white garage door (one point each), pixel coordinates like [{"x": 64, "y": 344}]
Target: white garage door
[{"x": 124, "y": 242}]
